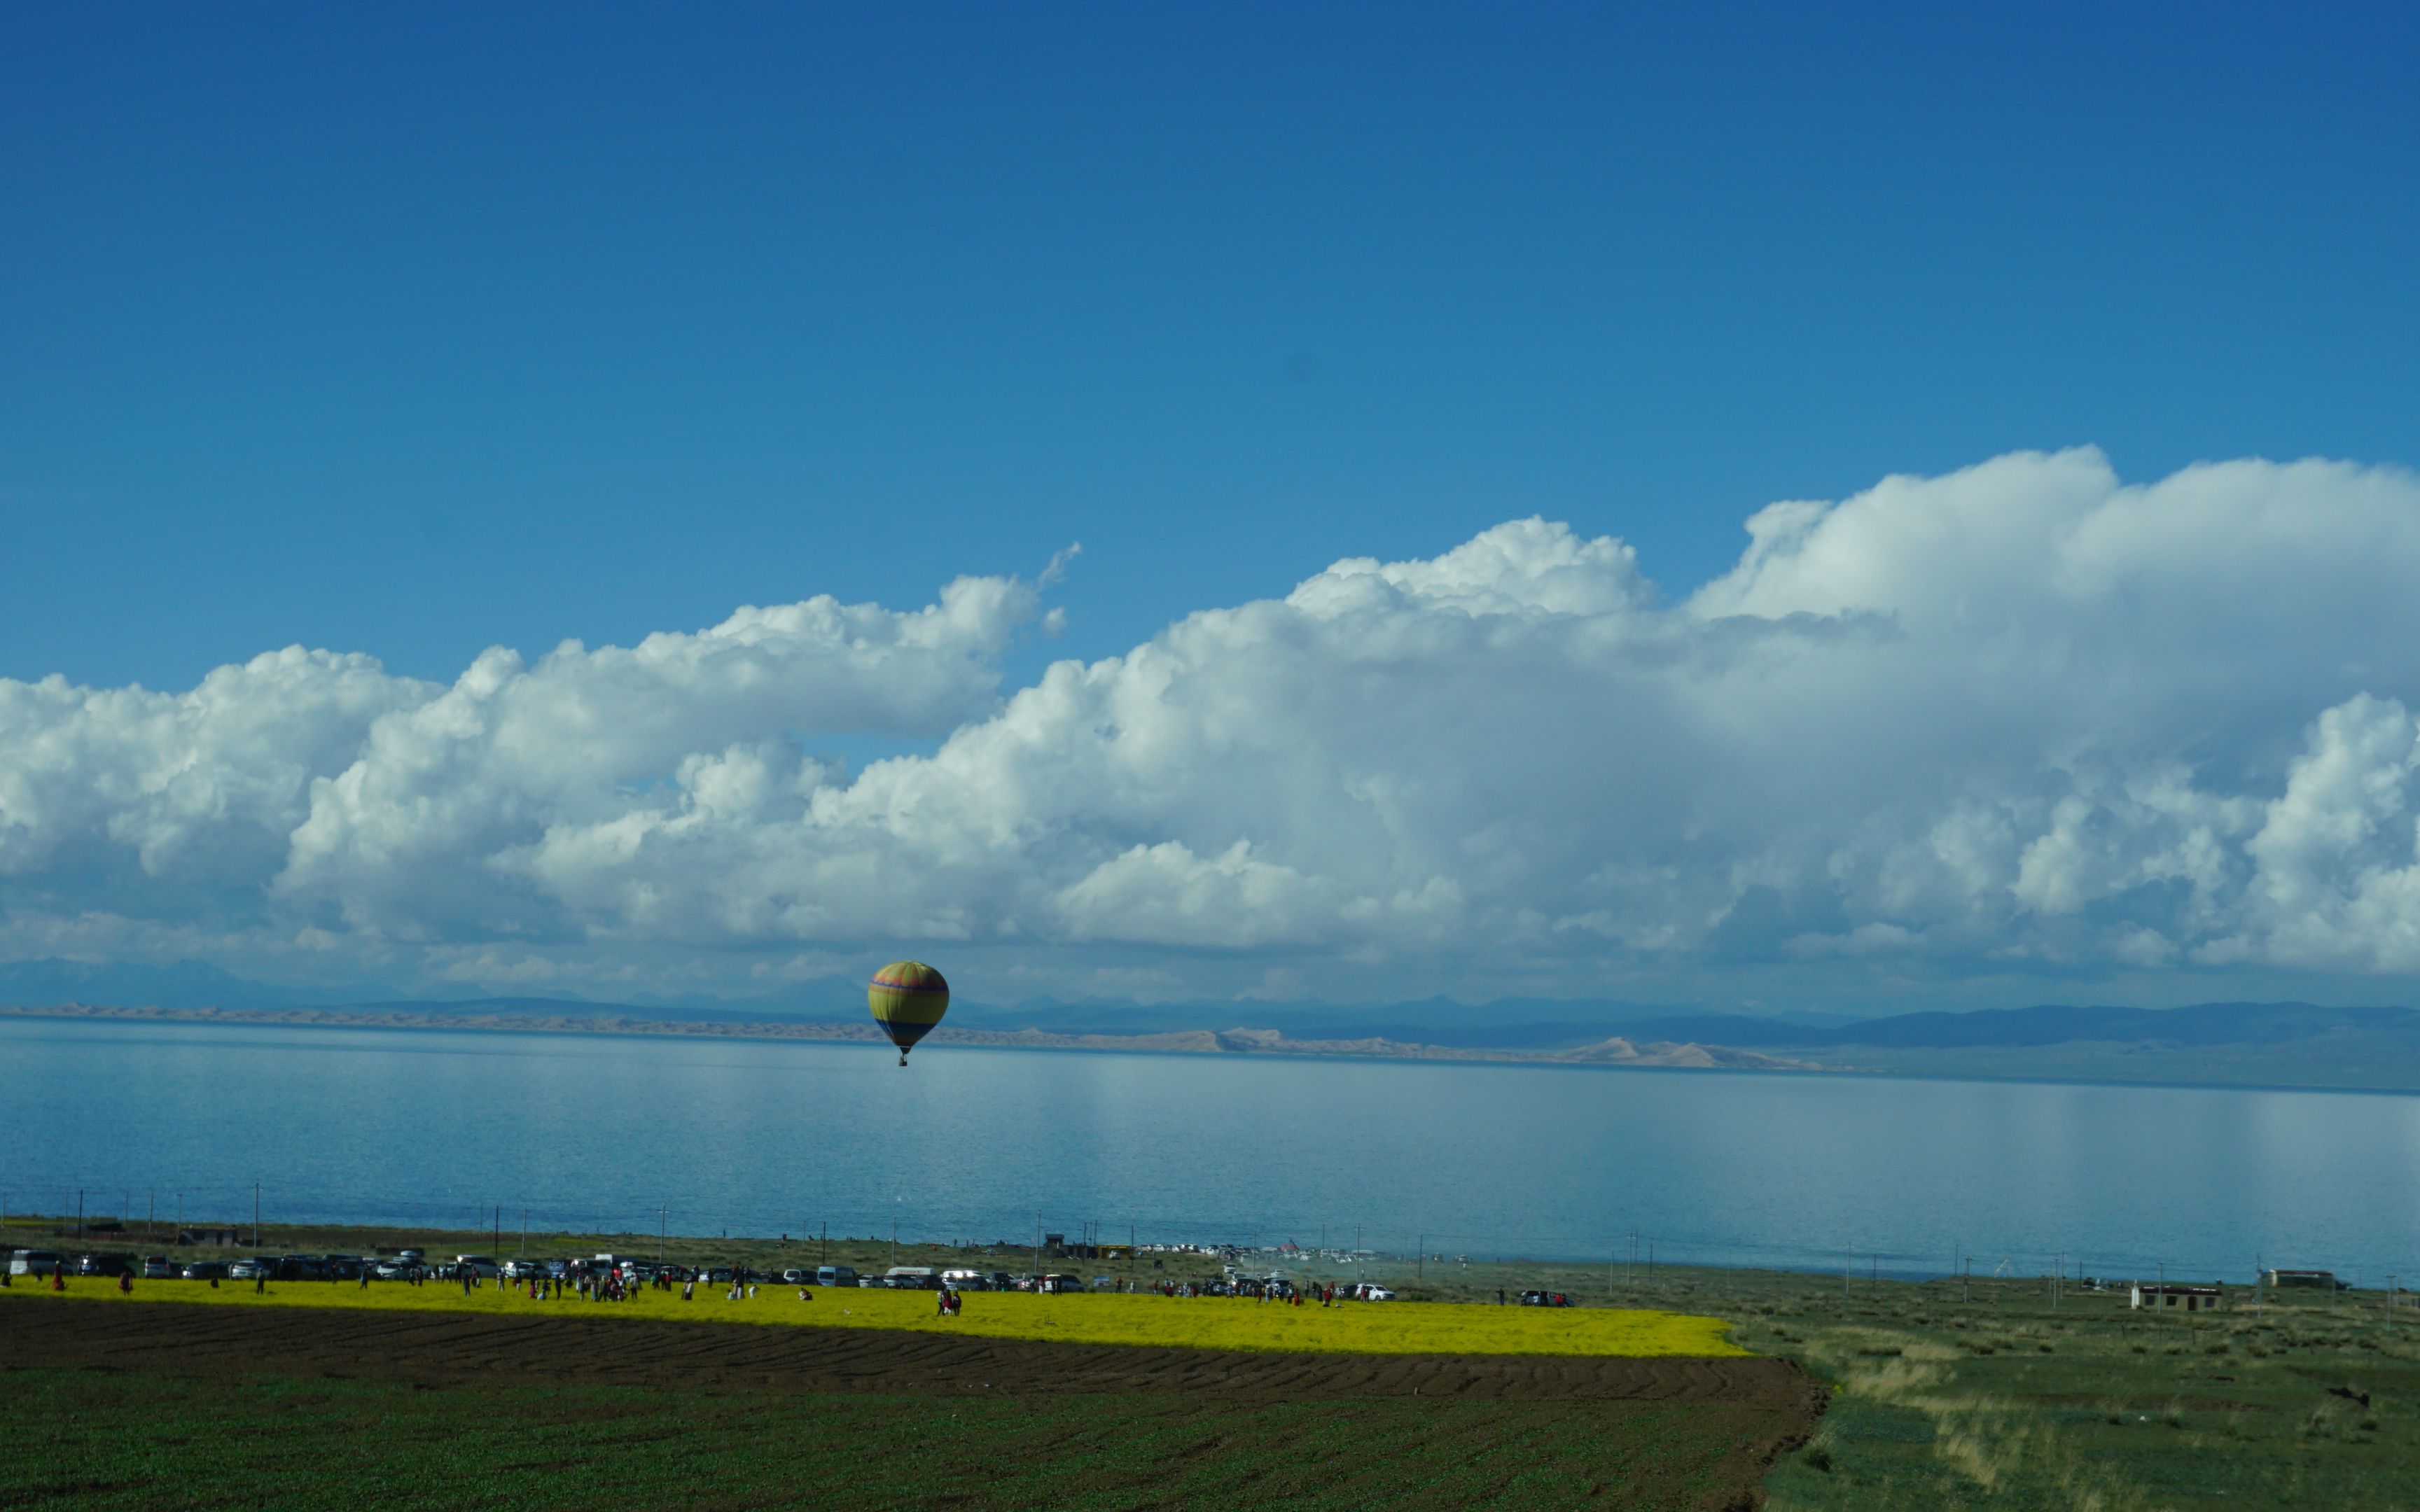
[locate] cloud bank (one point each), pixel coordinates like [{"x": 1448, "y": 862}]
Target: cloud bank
[{"x": 2020, "y": 721}]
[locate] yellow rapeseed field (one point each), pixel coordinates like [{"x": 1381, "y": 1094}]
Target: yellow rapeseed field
[{"x": 1186, "y": 1322}]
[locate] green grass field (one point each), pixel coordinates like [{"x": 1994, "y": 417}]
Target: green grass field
[{"x": 2004, "y": 1400}]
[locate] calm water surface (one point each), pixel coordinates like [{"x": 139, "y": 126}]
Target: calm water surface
[{"x": 412, "y": 1126}]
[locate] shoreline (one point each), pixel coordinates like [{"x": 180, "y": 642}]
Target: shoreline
[{"x": 1617, "y": 1054}]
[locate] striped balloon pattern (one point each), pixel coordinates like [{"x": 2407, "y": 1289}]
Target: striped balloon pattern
[{"x": 908, "y": 998}]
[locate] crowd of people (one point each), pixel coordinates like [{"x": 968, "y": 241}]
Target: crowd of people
[{"x": 1271, "y": 1290}]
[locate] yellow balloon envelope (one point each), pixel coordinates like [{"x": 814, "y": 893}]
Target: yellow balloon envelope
[{"x": 908, "y": 998}]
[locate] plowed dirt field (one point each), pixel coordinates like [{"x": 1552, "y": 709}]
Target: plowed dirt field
[{"x": 178, "y": 1405}]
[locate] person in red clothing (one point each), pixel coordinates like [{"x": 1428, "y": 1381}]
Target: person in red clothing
[{"x": 126, "y": 1281}]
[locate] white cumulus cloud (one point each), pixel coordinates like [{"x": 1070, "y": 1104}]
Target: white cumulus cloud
[{"x": 2021, "y": 719}]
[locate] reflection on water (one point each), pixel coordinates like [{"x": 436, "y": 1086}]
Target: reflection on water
[{"x": 706, "y": 1135}]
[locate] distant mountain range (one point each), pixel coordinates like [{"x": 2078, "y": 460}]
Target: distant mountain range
[
  {"x": 2204, "y": 1023},
  {"x": 2298, "y": 1044}
]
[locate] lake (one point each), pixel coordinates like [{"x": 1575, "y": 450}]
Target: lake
[{"x": 704, "y": 1136}]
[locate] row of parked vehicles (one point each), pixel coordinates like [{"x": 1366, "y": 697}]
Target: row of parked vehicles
[{"x": 418, "y": 1265}]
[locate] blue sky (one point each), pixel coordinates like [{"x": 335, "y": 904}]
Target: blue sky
[
  {"x": 416, "y": 334},
  {"x": 406, "y": 336}
]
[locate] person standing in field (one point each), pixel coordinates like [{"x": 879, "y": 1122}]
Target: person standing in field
[{"x": 126, "y": 1283}]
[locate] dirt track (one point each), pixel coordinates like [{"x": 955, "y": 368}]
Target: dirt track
[{"x": 462, "y": 1348}]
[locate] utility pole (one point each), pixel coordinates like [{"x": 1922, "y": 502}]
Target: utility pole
[
  {"x": 79, "y": 1212},
  {"x": 660, "y": 1230},
  {"x": 1420, "y": 1260},
  {"x": 255, "y": 1215}
]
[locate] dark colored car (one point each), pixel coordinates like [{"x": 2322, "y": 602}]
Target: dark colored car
[
  {"x": 102, "y": 1265},
  {"x": 207, "y": 1270}
]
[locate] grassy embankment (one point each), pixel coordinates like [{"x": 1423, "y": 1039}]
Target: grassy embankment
[{"x": 2001, "y": 1398}]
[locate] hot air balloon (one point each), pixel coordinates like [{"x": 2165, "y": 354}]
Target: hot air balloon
[{"x": 908, "y": 998}]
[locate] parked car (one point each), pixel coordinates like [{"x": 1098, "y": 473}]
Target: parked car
[
  {"x": 102, "y": 1265},
  {"x": 520, "y": 1270},
  {"x": 393, "y": 1269},
  {"x": 482, "y": 1266},
  {"x": 965, "y": 1280},
  {"x": 797, "y": 1276},
  {"x": 158, "y": 1268},
  {"x": 35, "y": 1261},
  {"x": 1055, "y": 1283},
  {"x": 1377, "y": 1294},
  {"x": 207, "y": 1270},
  {"x": 836, "y": 1276},
  {"x": 250, "y": 1270},
  {"x": 1544, "y": 1299}
]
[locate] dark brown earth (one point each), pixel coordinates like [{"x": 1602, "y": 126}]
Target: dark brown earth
[{"x": 445, "y": 1349}]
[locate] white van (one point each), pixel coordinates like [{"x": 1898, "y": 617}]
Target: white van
[
  {"x": 836, "y": 1276},
  {"x": 35, "y": 1263}
]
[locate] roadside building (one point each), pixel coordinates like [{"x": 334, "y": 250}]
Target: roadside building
[
  {"x": 2187, "y": 1298},
  {"x": 220, "y": 1237},
  {"x": 2319, "y": 1280}
]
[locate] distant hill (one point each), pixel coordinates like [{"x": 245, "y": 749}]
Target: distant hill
[
  {"x": 2205, "y": 1024},
  {"x": 183, "y": 984}
]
